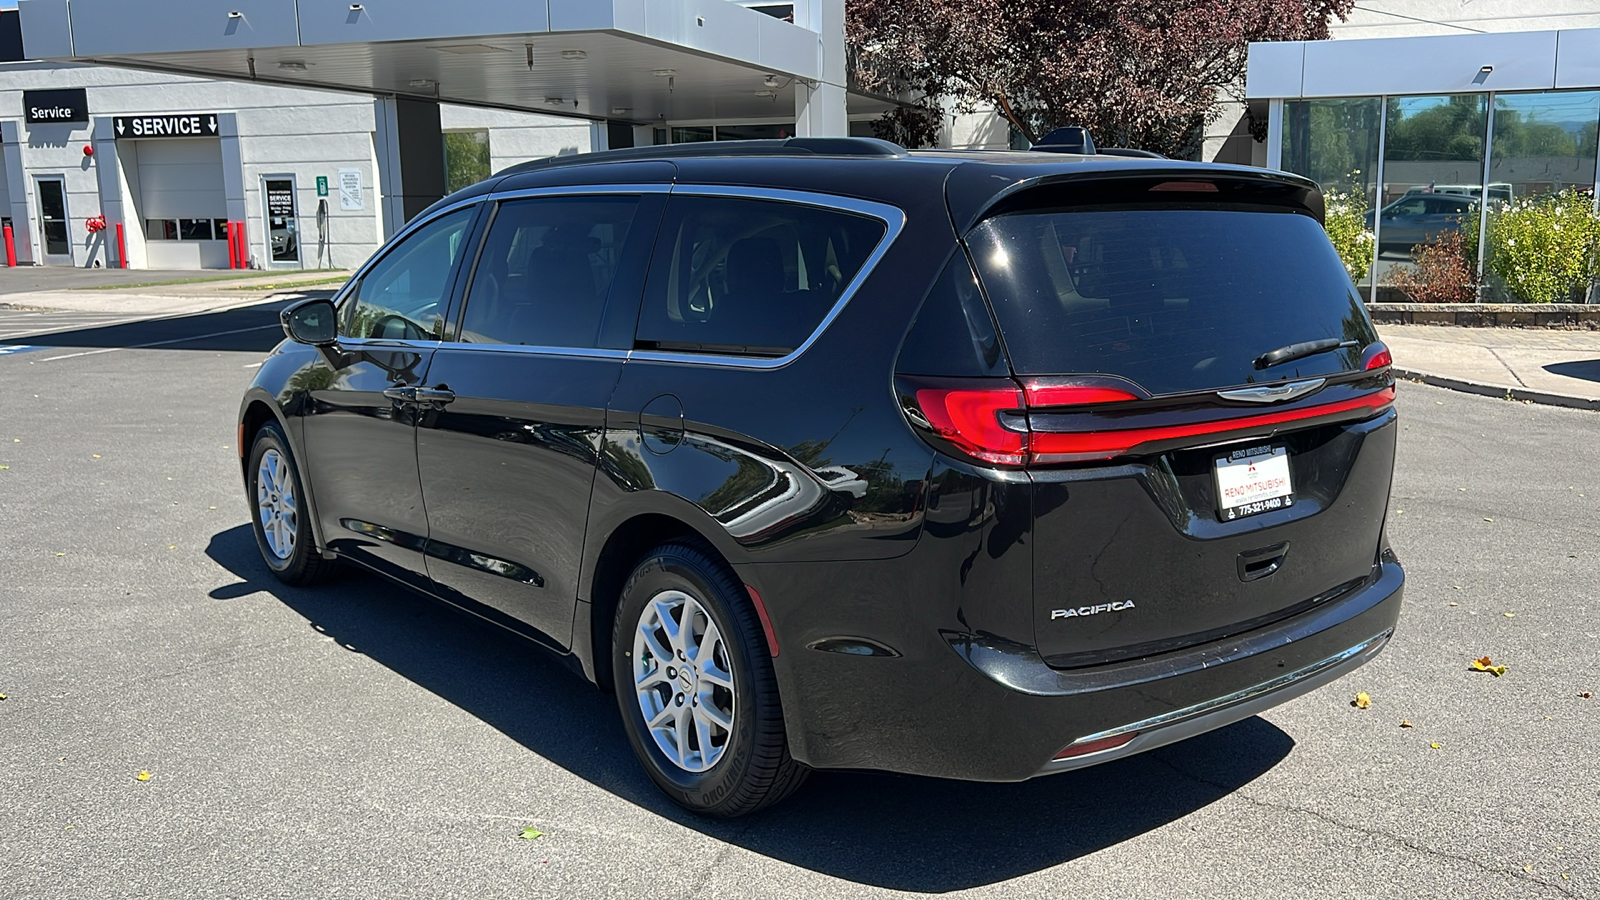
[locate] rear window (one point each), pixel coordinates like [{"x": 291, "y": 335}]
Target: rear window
[
  {"x": 749, "y": 277},
  {"x": 1173, "y": 299}
]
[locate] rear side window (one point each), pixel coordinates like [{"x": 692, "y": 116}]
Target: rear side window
[
  {"x": 545, "y": 271},
  {"x": 953, "y": 334},
  {"x": 749, "y": 277},
  {"x": 1174, "y": 299}
]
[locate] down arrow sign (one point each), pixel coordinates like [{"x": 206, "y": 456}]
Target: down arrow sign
[
  {"x": 213, "y": 124},
  {"x": 120, "y": 126}
]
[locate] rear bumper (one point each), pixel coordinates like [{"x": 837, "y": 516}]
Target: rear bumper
[{"x": 970, "y": 707}]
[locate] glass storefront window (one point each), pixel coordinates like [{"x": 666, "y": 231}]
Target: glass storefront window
[
  {"x": 1432, "y": 174},
  {"x": 1335, "y": 143},
  {"x": 1543, "y": 143},
  {"x": 693, "y": 134}
]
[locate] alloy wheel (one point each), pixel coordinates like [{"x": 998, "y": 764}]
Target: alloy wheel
[
  {"x": 683, "y": 681},
  {"x": 276, "y": 505}
]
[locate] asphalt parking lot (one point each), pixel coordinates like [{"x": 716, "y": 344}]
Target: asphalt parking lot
[{"x": 356, "y": 741}]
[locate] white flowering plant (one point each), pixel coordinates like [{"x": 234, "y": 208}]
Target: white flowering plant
[
  {"x": 1346, "y": 224},
  {"x": 1546, "y": 249}
]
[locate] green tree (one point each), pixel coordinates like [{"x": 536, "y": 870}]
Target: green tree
[{"x": 466, "y": 159}]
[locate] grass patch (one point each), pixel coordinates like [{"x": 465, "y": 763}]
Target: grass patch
[{"x": 282, "y": 285}]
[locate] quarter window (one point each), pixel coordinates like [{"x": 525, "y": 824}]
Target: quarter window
[
  {"x": 545, "y": 271},
  {"x": 403, "y": 296},
  {"x": 749, "y": 277}
]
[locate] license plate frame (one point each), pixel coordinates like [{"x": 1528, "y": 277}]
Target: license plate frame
[{"x": 1252, "y": 480}]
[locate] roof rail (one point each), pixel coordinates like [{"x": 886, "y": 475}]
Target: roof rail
[{"x": 795, "y": 146}]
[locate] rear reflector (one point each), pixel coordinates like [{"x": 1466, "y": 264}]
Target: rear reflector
[
  {"x": 1084, "y": 749},
  {"x": 989, "y": 421}
]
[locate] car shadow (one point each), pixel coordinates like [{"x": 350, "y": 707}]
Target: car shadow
[
  {"x": 892, "y": 831},
  {"x": 248, "y": 329},
  {"x": 1587, "y": 369}
]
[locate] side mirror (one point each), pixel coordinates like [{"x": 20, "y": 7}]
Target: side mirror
[{"x": 313, "y": 322}]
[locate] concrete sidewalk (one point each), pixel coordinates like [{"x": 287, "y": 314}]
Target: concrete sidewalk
[
  {"x": 1540, "y": 365},
  {"x": 200, "y": 295}
]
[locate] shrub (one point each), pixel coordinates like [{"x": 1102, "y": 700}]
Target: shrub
[
  {"x": 1443, "y": 270},
  {"x": 1346, "y": 223},
  {"x": 1546, "y": 249}
]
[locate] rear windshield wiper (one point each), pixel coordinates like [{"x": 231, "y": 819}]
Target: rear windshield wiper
[{"x": 1301, "y": 351}]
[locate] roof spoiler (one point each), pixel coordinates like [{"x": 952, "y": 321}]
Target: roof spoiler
[{"x": 1076, "y": 139}]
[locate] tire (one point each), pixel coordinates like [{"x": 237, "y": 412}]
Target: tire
[
  {"x": 283, "y": 533},
  {"x": 748, "y": 766}
]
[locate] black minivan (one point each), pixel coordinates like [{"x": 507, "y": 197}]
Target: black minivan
[{"x": 821, "y": 453}]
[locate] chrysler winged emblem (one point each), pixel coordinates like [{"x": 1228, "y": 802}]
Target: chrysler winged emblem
[{"x": 1276, "y": 393}]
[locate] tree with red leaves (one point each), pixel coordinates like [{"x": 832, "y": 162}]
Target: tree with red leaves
[{"x": 1137, "y": 73}]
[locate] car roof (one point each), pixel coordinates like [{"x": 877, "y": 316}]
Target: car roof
[{"x": 972, "y": 180}]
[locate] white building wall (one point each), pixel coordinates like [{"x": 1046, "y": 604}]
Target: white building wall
[
  {"x": 1408, "y": 18},
  {"x": 277, "y": 131}
]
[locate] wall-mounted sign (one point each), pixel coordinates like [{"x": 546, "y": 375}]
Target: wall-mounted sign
[
  {"x": 350, "y": 189},
  {"x": 180, "y": 125},
  {"x": 280, "y": 199},
  {"x": 62, "y": 105},
  {"x": 322, "y": 185}
]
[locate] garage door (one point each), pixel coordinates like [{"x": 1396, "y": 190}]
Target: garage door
[{"x": 182, "y": 203}]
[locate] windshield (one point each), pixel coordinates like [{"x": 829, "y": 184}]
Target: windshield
[{"x": 1175, "y": 300}]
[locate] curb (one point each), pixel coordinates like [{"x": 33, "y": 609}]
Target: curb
[{"x": 1499, "y": 391}]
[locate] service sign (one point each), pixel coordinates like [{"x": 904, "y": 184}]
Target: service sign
[
  {"x": 166, "y": 125},
  {"x": 63, "y": 105}
]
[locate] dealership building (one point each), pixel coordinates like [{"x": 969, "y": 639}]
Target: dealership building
[
  {"x": 314, "y": 129},
  {"x": 299, "y": 133}
]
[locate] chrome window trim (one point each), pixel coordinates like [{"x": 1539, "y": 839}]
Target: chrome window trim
[
  {"x": 892, "y": 217},
  {"x": 589, "y": 352}
]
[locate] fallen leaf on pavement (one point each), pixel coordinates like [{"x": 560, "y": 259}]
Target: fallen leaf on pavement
[
  {"x": 1485, "y": 664},
  {"x": 1584, "y": 694},
  {"x": 143, "y": 775},
  {"x": 1435, "y": 745},
  {"x": 1453, "y": 603},
  {"x": 1362, "y": 701},
  {"x": 1406, "y": 723},
  {"x": 1511, "y": 615},
  {"x": 531, "y": 833},
  {"x": 2, "y": 696},
  {"x": 61, "y": 554},
  {"x": 1487, "y": 519},
  {"x": 95, "y": 455}
]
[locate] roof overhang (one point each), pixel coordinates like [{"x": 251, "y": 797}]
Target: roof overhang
[{"x": 635, "y": 60}]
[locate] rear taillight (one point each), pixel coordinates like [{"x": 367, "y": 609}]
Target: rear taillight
[
  {"x": 989, "y": 421},
  {"x": 970, "y": 419},
  {"x": 1376, "y": 356}
]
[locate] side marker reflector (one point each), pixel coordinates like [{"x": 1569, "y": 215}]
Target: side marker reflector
[{"x": 1110, "y": 743}]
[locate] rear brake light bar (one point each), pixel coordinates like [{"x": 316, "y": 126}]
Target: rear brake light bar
[{"x": 970, "y": 417}]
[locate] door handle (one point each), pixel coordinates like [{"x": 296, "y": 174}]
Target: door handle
[
  {"x": 404, "y": 393},
  {"x": 440, "y": 395}
]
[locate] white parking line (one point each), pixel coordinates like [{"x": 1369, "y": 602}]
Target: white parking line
[
  {"x": 60, "y": 326},
  {"x": 185, "y": 340}
]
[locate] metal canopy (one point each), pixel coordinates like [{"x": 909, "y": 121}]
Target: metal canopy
[{"x": 640, "y": 61}]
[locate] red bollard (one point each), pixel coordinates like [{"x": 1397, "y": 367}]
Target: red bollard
[
  {"x": 11, "y": 248},
  {"x": 233, "y": 248},
  {"x": 122, "y": 248},
  {"x": 244, "y": 247}
]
